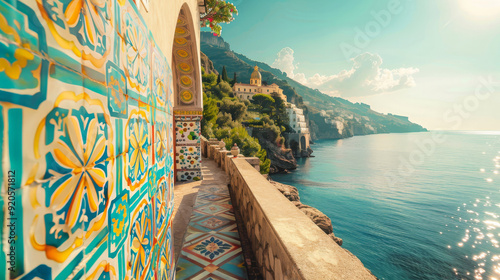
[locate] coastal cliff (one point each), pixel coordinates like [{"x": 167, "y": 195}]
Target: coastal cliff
[
  {"x": 328, "y": 117},
  {"x": 320, "y": 219},
  {"x": 282, "y": 160},
  {"x": 207, "y": 64}
]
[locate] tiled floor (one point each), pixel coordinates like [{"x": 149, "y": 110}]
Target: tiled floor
[{"x": 212, "y": 248}]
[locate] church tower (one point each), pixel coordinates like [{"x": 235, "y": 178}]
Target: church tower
[{"x": 256, "y": 78}]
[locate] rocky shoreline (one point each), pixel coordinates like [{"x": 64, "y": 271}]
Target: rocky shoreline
[{"x": 320, "y": 219}]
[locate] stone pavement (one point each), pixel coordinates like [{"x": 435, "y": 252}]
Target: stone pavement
[{"x": 211, "y": 248}]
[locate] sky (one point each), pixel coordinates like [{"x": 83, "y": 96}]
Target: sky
[{"x": 436, "y": 61}]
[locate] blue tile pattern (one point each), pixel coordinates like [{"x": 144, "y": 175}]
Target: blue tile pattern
[{"x": 212, "y": 248}]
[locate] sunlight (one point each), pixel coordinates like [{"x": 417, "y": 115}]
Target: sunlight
[{"x": 481, "y": 9}]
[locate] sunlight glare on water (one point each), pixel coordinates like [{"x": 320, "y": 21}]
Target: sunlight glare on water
[{"x": 440, "y": 222}]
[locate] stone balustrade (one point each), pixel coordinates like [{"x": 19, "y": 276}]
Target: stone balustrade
[{"x": 286, "y": 243}]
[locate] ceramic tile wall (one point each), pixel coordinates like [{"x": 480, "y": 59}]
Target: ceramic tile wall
[
  {"x": 188, "y": 148},
  {"x": 87, "y": 145}
]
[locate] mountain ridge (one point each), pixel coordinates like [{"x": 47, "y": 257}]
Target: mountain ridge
[{"x": 328, "y": 117}]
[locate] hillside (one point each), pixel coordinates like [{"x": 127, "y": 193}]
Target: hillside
[{"x": 328, "y": 117}]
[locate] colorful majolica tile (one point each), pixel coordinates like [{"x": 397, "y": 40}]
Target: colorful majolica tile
[
  {"x": 94, "y": 190},
  {"x": 76, "y": 35},
  {"x": 187, "y": 132},
  {"x": 161, "y": 142},
  {"x": 141, "y": 240},
  {"x": 90, "y": 96},
  {"x": 24, "y": 77},
  {"x": 160, "y": 86},
  {"x": 23, "y": 27},
  {"x": 117, "y": 89},
  {"x": 118, "y": 223},
  {"x": 188, "y": 157},
  {"x": 137, "y": 72},
  {"x": 189, "y": 175}
]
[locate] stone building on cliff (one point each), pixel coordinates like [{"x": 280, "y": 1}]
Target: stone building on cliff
[
  {"x": 299, "y": 140},
  {"x": 247, "y": 91}
]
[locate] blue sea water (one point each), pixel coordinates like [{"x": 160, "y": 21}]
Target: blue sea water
[{"x": 413, "y": 205}]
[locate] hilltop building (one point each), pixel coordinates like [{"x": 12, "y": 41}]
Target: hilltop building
[
  {"x": 247, "y": 91},
  {"x": 297, "y": 118},
  {"x": 299, "y": 140}
]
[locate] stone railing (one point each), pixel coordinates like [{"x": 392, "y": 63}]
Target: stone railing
[{"x": 286, "y": 243}]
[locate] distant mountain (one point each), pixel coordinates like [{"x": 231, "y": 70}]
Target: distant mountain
[{"x": 329, "y": 117}]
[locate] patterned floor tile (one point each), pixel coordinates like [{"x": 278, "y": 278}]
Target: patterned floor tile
[
  {"x": 212, "y": 248},
  {"x": 210, "y": 209},
  {"x": 214, "y": 223},
  {"x": 211, "y": 197}
]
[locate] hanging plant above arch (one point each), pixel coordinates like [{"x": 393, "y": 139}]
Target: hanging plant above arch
[{"x": 217, "y": 12}]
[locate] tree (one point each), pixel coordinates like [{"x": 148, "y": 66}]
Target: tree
[
  {"x": 279, "y": 113},
  {"x": 209, "y": 81},
  {"x": 223, "y": 89},
  {"x": 235, "y": 79},
  {"x": 224, "y": 120},
  {"x": 217, "y": 11},
  {"x": 219, "y": 79},
  {"x": 248, "y": 145},
  {"x": 236, "y": 108},
  {"x": 224, "y": 74},
  {"x": 264, "y": 101},
  {"x": 210, "y": 112}
]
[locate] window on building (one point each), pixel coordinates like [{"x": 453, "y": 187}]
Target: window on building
[
  {"x": 248, "y": 97},
  {"x": 244, "y": 89}
]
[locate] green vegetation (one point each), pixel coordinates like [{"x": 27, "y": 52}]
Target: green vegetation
[
  {"x": 224, "y": 116},
  {"x": 217, "y": 11},
  {"x": 224, "y": 74},
  {"x": 355, "y": 118},
  {"x": 263, "y": 102}
]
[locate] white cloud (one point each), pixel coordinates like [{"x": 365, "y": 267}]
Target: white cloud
[
  {"x": 300, "y": 77},
  {"x": 285, "y": 61},
  {"x": 366, "y": 77}
]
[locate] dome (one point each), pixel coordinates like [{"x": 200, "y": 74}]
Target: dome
[{"x": 256, "y": 74}]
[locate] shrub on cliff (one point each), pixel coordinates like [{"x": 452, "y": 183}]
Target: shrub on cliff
[
  {"x": 265, "y": 163},
  {"x": 222, "y": 89},
  {"x": 209, "y": 80},
  {"x": 225, "y": 120},
  {"x": 279, "y": 114},
  {"x": 210, "y": 112},
  {"x": 248, "y": 145},
  {"x": 236, "y": 108},
  {"x": 263, "y": 102}
]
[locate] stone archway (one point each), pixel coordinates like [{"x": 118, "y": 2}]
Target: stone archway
[
  {"x": 188, "y": 99},
  {"x": 303, "y": 144}
]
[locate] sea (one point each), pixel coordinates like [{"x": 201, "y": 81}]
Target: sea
[{"x": 412, "y": 205}]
